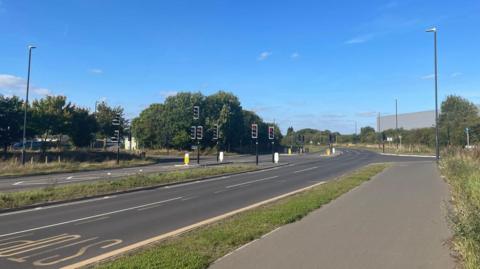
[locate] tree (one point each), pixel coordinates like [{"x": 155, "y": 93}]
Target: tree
[
  {"x": 150, "y": 128},
  {"x": 367, "y": 135},
  {"x": 11, "y": 120},
  {"x": 51, "y": 116},
  {"x": 83, "y": 126},
  {"x": 105, "y": 115},
  {"x": 457, "y": 113}
]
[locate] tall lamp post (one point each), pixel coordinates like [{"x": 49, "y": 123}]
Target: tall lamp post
[
  {"x": 30, "y": 48},
  {"x": 437, "y": 146}
]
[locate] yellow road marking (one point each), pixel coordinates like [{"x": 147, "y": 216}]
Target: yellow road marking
[{"x": 122, "y": 250}]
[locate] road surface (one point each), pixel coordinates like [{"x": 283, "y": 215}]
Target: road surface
[{"x": 56, "y": 236}]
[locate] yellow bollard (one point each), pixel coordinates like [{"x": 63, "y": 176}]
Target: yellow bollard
[
  {"x": 328, "y": 152},
  {"x": 289, "y": 151},
  {"x": 186, "y": 159}
]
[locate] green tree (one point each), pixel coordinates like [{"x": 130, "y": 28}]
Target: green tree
[
  {"x": 367, "y": 135},
  {"x": 11, "y": 120},
  {"x": 105, "y": 115},
  {"x": 51, "y": 116},
  {"x": 457, "y": 113},
  {"x": 83, "y": 126},
  {"x": 150, "y": 128}
]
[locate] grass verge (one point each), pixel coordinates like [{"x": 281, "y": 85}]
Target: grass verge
[
  {"x": 11, "y": 168},
  {"x": 53, "y": 193},
  {"x": 392, "y": 149},
  {"x": 462, "y": 172},
  {"x": 199, "y": 248}
]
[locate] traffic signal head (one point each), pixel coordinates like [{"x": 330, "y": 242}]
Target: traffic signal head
[
  {"x": 254, "y": 131},
  {"x": 271, "y": 132},
  {"x": 215, "y": 132},
  {"x": 196, "y": 112},
  {"x": 199, "y": 132},
  {"x": 193, "y": 132}
]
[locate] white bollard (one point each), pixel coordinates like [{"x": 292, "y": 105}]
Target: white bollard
[
  {"x": 333, "y": 150},
  {"x": 220, "y": 156},
  {"x": 276, "y": 157}
]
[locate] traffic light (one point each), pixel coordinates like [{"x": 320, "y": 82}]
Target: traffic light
[
  {"x": 196, "y": 112},
  {"x": 215, "y": 132},
  {"x": 271, "y": 132},
  {"x": 254, "y": 131},
  {"x": 116, "y": 120},
  {"x": 199, "y": 132},
  {"x": 330, "y": 138},
  {"x": 193, "y": 132},
  {"x": 384, "y": 136}
]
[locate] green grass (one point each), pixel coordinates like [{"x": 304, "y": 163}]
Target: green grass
[
  {"x": 200, "y": 247},
  {"x": 391, "y": 148},
  {"x": 462, "y": 171},
  {"x": 68, "y": 192},
  {"x": 12, "y": 168}
]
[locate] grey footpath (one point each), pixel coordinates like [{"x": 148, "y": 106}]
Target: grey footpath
[{"x": 396, "y": 220}]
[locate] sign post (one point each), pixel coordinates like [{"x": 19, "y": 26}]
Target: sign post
[
  {"x": 255, "y": 136},
  {"x": 271, "y": 136}
]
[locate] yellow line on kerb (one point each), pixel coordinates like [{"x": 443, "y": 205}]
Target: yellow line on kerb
[{"x": 181, "y": 230}]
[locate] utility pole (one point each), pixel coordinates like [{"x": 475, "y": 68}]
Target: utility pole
[
  {"x": 396, "y": 121},
  {"x": 467, "y": 130},
  {"x": 26, "y": 104},
  {"x": 437, "y": 145}
]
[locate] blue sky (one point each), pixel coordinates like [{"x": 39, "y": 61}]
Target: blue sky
[{"x": 317, "y": 64}]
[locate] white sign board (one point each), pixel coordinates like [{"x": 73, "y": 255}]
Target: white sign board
[{"x": 389, "y": 139}]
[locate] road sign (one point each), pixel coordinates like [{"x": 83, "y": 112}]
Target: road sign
[
  {"x": 193, "y": 132},
  {"x": 254, "y": 131},
  {"x": 199, "y": 132},
  {"x": 271, "y": 132},
  {"x": 389, "y": 139},
  {"x": 196, "y": 112},
  {"x": 215, "y": 132}
]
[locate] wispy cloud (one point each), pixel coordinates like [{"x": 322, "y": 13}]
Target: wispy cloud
[
  {"x": 366, "y": 114},
  {"x": 456, "y": 74},
  {"x": 359, "y": 39},
  {"x": 96, "y": 71},
  {"x": 166, "y": 94},
  {"x": 333, "y": 116},
  {"x": 295, "y": 55},
  {"x": 264, "y": 55},
  {"x": 430, "y": 76},
  {"x": 13, "y": 85}
]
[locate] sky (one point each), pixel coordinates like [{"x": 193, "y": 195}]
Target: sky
[{"x": 307, "y": 64}]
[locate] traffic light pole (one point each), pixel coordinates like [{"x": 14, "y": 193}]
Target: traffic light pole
[
  {"x": 218, "y": 153},
  {"x": 198, "y": 151},
  {"x": 273, "y": 152},
  {"x": 256, "y": 151},
  {"x": 118, "y": 147}
]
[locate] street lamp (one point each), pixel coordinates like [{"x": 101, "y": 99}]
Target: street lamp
[
  {"x": 437, "y": 149},
  {"x": 30, "y": 48}
]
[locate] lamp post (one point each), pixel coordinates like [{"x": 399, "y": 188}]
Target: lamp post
[
  {"x": 30, "y": 48},
  {"x": 437, "y": 149}
]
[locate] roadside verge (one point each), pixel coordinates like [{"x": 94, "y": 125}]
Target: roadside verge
[{"x": 21, "y": 200}]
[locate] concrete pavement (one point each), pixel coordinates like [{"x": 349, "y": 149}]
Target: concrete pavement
[{"x": 396, "y": 220}]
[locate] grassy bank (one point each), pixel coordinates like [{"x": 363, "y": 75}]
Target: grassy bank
[
  {"x": 201, "y": 247},
  {"x": 462, "y": 171},
  {"x": 404, "y": 149},
  {"x": 80, "y": 190},
  {"x": 12, "y": 168}
]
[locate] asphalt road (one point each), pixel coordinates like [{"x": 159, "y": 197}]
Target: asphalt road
[
  {"x": 39, "y": 181},
  {"x": 56, "y": 236}
]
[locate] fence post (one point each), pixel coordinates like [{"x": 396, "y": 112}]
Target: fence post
[
  {"x": 59, "y": 159},
  {"x": 31, "y": 160},
  {"x": 46, "y": 159}
]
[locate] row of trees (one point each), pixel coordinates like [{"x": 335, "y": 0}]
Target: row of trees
[
  {"x": 53, "y": 117},
  {"x": 168, "y": 125}
]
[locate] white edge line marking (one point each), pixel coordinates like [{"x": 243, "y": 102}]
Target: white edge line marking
[
  {"x": 55, "y": 206},
  {"x": 90, "y": 217},
  {"x": 182, "y": 230},
  {"x": 248, "y": 182},
  {"x": 17, "y": 183},
  {"x": 307, "y": 169}
]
